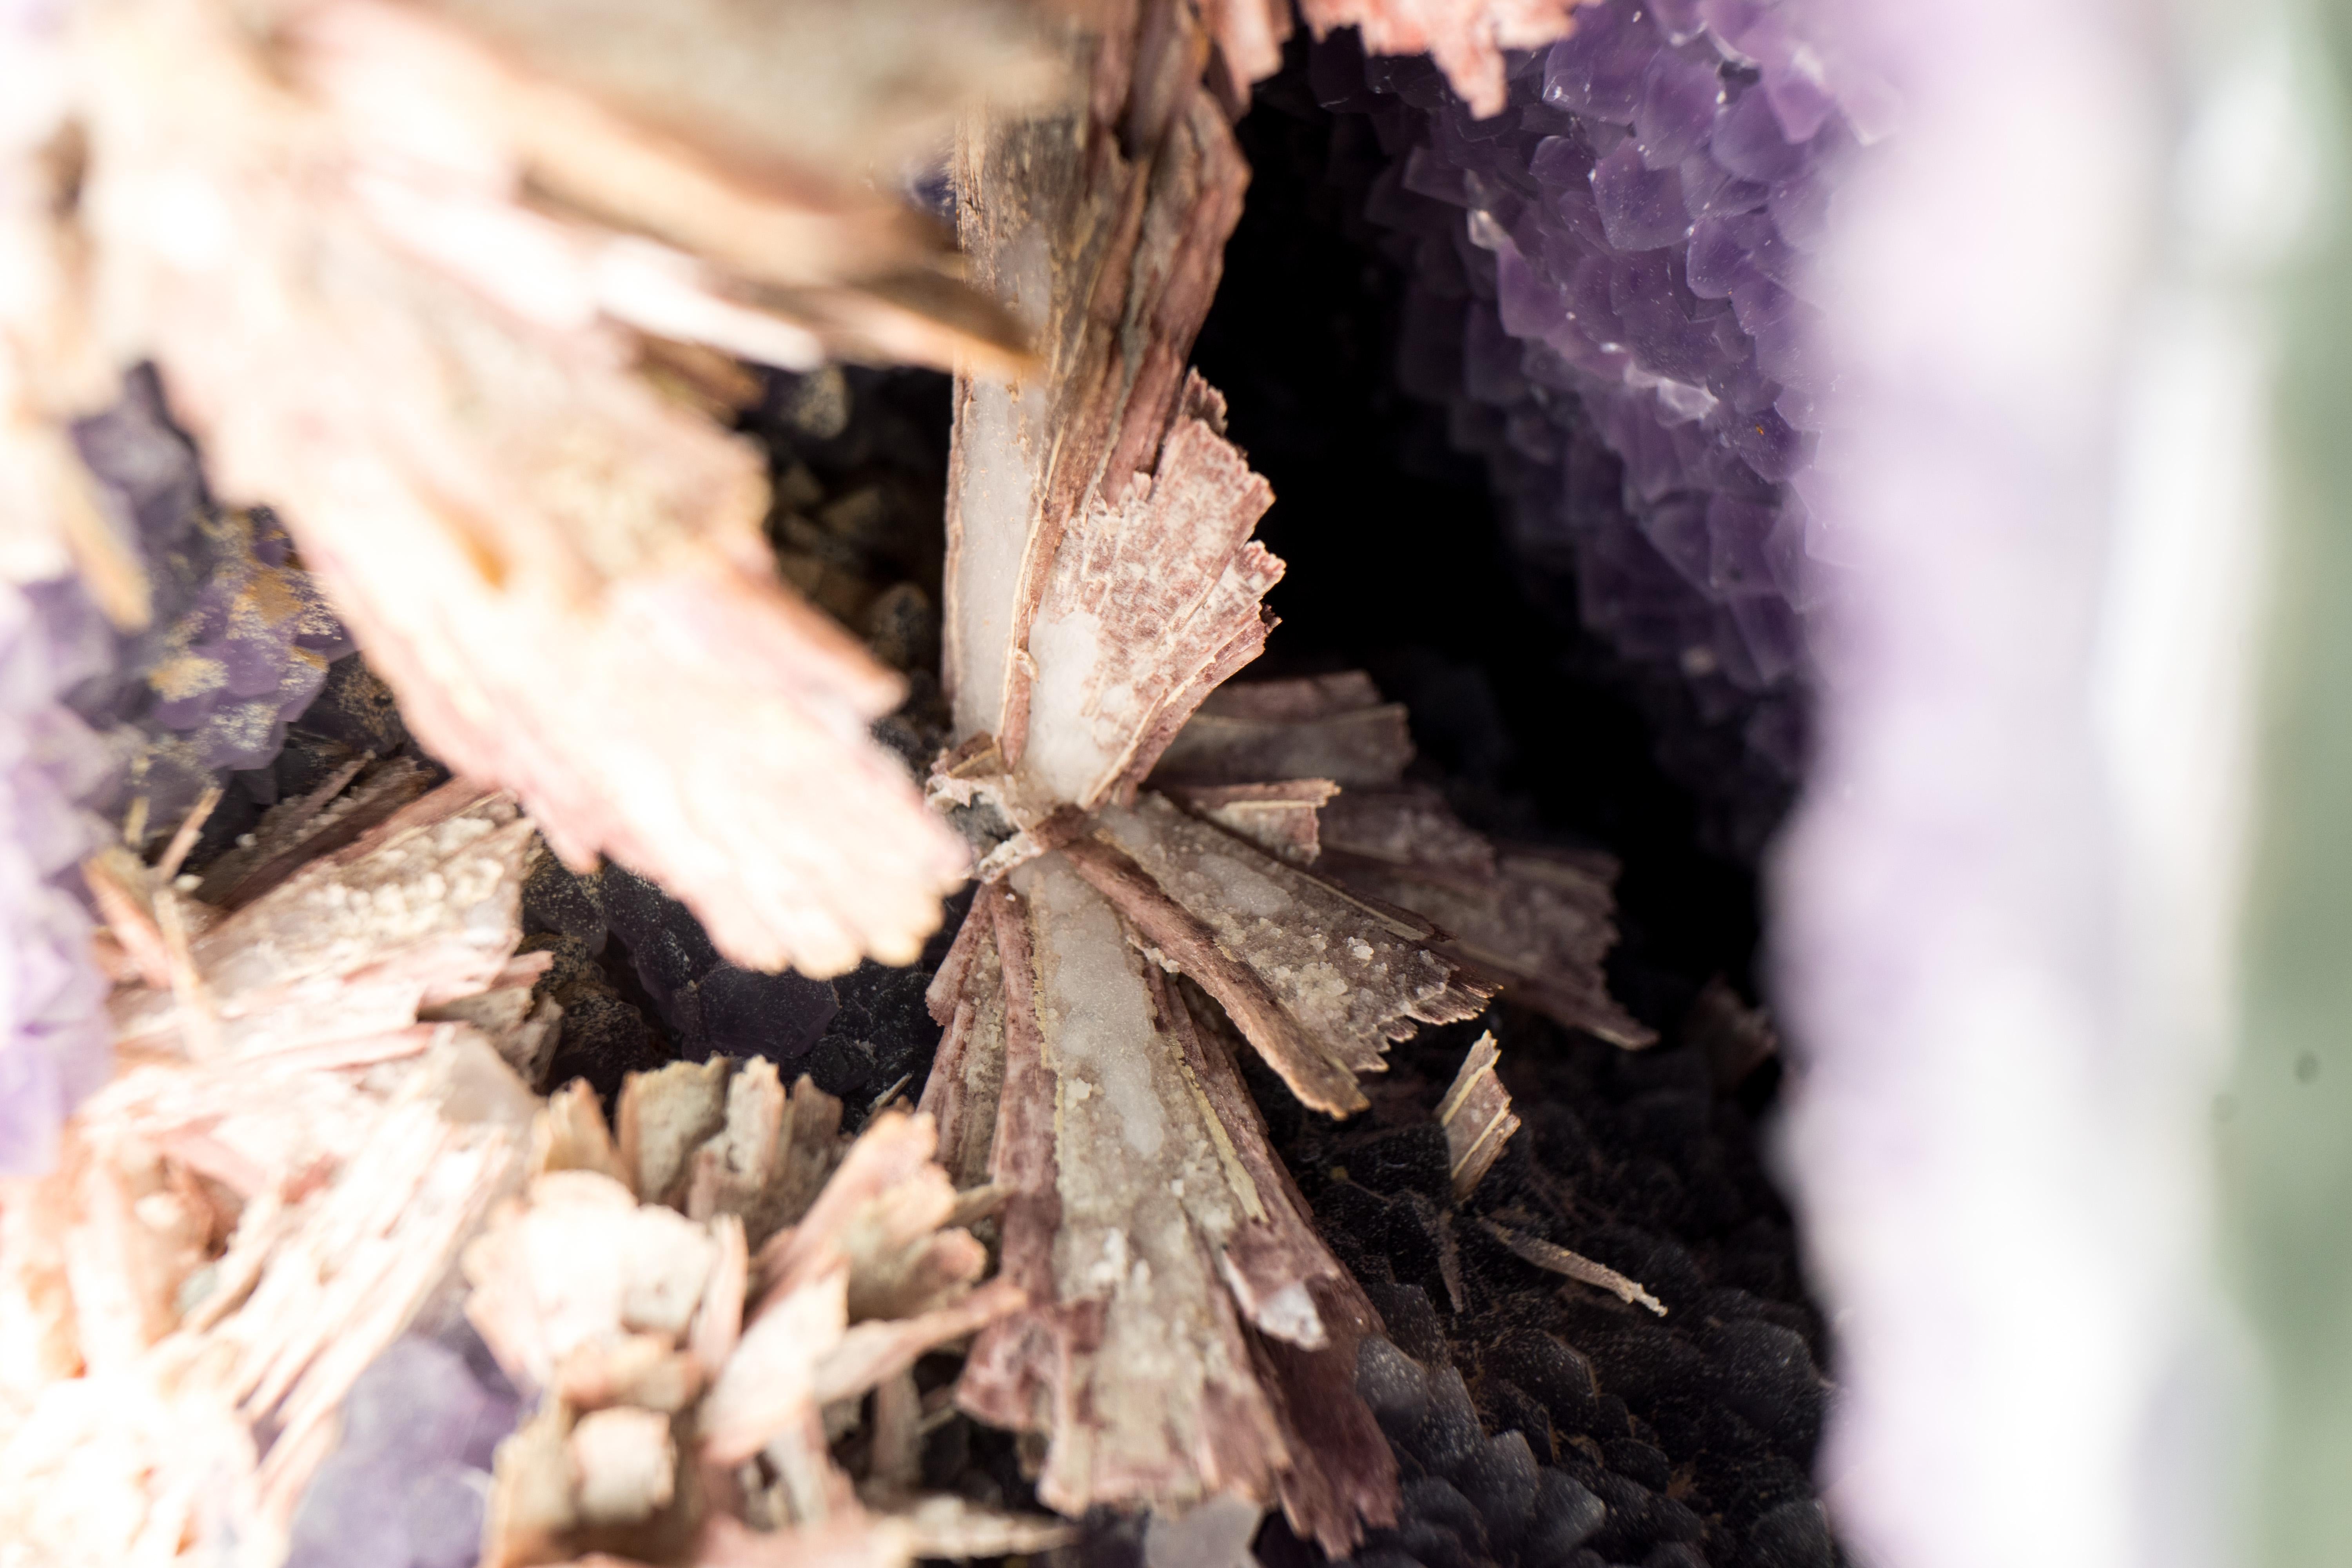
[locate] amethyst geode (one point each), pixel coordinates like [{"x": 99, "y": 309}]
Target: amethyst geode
[{"x": 1610, "y": 295}]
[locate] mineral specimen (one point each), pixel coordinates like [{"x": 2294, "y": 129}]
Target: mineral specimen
[
  {"x": 525, "y": 229},
  {"x": 1538, "y": 918},
  {"x": 717, "y": 1301},
  {"x": 1477, "y": 1117},
  {"x": 319, "y": 1106},
  {"x": 53, "y": 1039},
  {"x": 702, "y": 1305},
  {"x": 1613, "y": 294},
  {"x": 276, "y": 1182},
  {"x": 1188, "y": 1337},
  {"x": 131, "y": 722},
  {"x": 239, "y": 638}
]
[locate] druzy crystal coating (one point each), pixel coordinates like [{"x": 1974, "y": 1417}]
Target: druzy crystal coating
[{"x": 1611, "y": 293}]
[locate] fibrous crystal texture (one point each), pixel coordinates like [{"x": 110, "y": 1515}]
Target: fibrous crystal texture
[
  {"x": 461, "y": 304},
  {"x": 304, "y": 1129},
  {"x": 1610, "y": 297}
]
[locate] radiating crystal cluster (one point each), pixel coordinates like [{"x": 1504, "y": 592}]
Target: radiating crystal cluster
[{"x": 1610, "y": 293}]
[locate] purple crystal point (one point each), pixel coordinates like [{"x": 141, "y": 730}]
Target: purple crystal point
[
  {"x": 1749, "y": 142},
  {"x": 1718, "y": 256},
  {"x": 1641, "y": 206},
  {"x": 1676, "y": 112},
  {"x": 1597, "y": 70}
]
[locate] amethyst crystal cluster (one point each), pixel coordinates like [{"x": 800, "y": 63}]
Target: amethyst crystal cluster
[
  {"x": 52, "y": 1041},
  {"x": 96, "y": 727},
  {"x": 240, "y": 639},
  {"x": 1610, "y": 295}
]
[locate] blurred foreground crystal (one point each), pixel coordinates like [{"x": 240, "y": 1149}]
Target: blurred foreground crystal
[
  {"x": 454, "y": 289},
  {"x": 299, "y": 1136},
  {"x": 319, "y": 1106},
  {"x": 702, "y": 1305}
]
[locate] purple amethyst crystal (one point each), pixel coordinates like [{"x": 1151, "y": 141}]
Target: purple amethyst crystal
[
  {"x": 241, "y": 639},
  {"x": 408, "y": 1486},
  {"x": 92, "y": 721},
  {"x": 53, "y": 1047},
  {"x": 1609, "y": 292}
]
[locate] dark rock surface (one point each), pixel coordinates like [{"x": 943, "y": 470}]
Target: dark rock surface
[{"x": 1542, "y": 1422}]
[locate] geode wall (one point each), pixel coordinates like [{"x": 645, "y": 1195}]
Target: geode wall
[{"x": 1612, "y": 299}]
